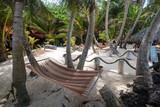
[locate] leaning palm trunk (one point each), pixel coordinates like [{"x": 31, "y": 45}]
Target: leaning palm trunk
[
  {"x": 89, "y": 37},
  {"x": 96, "y": 42},
  {"x": 106, "y": 19},
  {"x": 30, "y": 56},
  {"x": 19, "y": 72},
  {"x": 142, "y": 71},
  {"x": 134, "y": 25},
  {"x": 68, "y": 48},
  {"x": 127, "y": 2}
]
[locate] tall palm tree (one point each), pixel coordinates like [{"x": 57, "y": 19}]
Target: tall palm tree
[
  {"x": 73, "y": 6},
  {"x": 142, "y": 70},
  {"x": 19, "y": 41},
  {"x": 106, "y": 18},
  {"x": 90, "y": 34},
  {"x": 19, "y": 72},
  {"x": 134, "y": 25},
  {"x": 127, "y": 3},
  {"x": 69, "y": 61}
]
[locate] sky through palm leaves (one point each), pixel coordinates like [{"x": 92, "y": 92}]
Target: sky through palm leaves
[{"x": 57, "y": 2}]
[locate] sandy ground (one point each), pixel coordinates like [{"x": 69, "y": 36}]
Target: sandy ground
[{"x": 43, "y": 93}]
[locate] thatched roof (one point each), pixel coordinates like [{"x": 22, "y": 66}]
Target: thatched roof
[{"x": 137, "y": 37}]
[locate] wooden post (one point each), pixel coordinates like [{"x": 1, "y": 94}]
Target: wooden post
[{"x": 121, "y": 67}]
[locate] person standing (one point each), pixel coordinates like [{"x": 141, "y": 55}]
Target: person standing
[
  {"x": 154, "y": 57},
  {"x": 113, "y": 48},
  {"x": 153, "y": 53}
]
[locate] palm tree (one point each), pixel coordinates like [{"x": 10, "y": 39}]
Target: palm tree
[
  {"x": 73, "y": 6},
  {"x": 134, "y": 25},
  {"x": 68, "y": 47},
  {"x": 90, "y": 34},
  {"x": 142, "y": 71},
  {"x": 127, "y": 3},
  {"x": 19, "y": 72},
  {"x": 106, "y": 18}
]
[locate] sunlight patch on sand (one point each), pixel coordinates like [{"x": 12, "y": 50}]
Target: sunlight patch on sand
[{"x": 113, "y": 70}]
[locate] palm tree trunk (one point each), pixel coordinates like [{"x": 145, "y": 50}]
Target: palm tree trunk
[
  {"x": 106, "y": 19},
  {"x": 89, "y": 37},
  {"x": 68, "y": 48},
  {"x": 127, "y": 2},
  {"x": 142, "y": 70},
  {"x": 96, "y": 42},
  {"x": 134, "y": 25},
  {"x": 93, "y": 48},
  {"x": 30, "y": 56},
  {"x": 19, "y": 72}
]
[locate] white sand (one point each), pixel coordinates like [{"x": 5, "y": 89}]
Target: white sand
[{"x": 41, "y": 91}]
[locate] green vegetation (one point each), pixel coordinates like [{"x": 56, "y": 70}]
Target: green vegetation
[{"x": 52, "y": 19}]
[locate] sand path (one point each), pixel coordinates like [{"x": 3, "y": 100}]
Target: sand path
[{"x": 43, "y": 92}]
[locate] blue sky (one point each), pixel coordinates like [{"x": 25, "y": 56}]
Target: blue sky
[
  {"x": 51, "y": 1},
  {"x": 146, "y": 3}
]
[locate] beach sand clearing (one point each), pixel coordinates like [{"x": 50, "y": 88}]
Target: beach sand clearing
[{"x": 44, "y": 93}]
